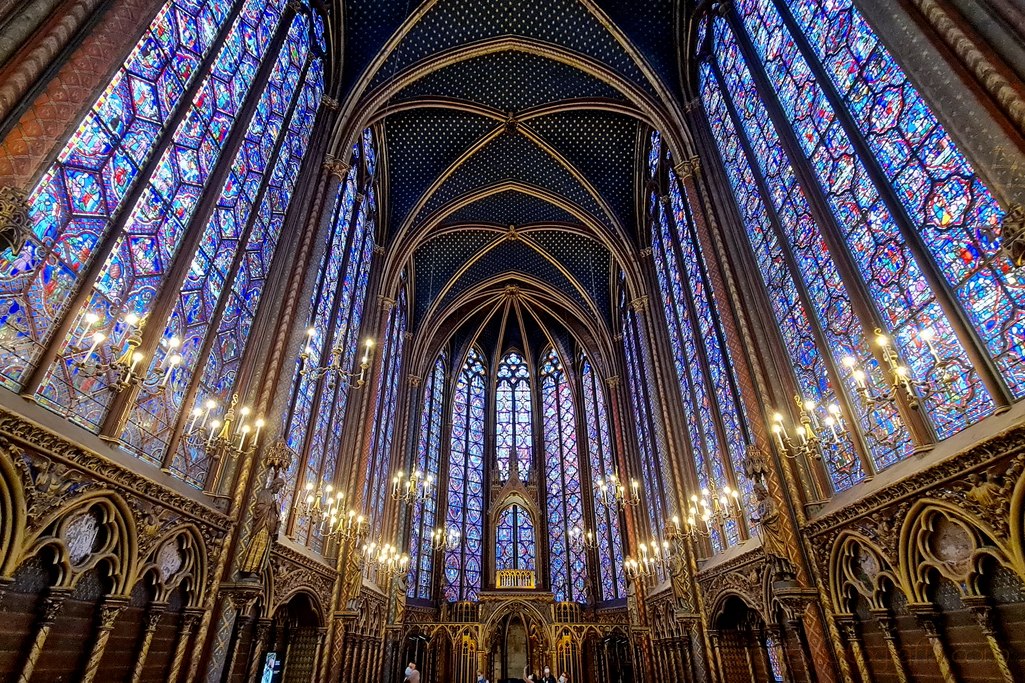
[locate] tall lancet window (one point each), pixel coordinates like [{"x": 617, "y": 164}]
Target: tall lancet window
[
  {"x": 381, "y": 456},
  {"x": 428, "y": 456},
  {"x": 862, "y": 214},
  {"x": 314, "y": 420},
  {"x": 602, "y": 459},
  {"x": 512, "y": 423},
  {"x": 464, "y": 564},
  {"x": 658, "y": 490},
  {"x": 715, "y": 425},
  {"x": 564, "y": 496},
  {"x": 121, "y": 245}
]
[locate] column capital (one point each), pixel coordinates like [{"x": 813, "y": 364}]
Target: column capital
[
  {"x": 387, "y": 303},
  {"x": 1012, "y": 234},
  {"x": 415, "y": 380},
  {"x": 14, "y": 219},
  {"x": 335, "y": 167},
  {"x": 688, "y": 168},
  {"x": 329, "y": 102},
  {"x": 613, "y": 381},
  {"x": 639, "y": 304}
]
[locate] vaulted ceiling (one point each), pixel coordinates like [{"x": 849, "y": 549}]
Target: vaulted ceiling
[{"x": 513, "y": 134}]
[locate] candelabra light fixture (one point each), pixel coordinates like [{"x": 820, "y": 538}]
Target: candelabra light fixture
[
  {"x": 333, "y": 367},
  {"x": 900, "y": 381},
  {"x": 583, "y": 538},
  {"x": 233, "y": 434},
  {"x": 323, "y": 506},
  {"x": 613, "y": 492},
  {"x": 712, "y": 507},
  {"x": 121, "y": 339},
  {"x": 812, "y": 430},
  {"x": 413, "y": 489},
  {"x": 445, "y": 540},
  {"x": 652, "y": 560},
  {"x": 385, "y": 560}
]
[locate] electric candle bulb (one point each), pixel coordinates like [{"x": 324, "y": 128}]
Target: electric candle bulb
[{"x": 97, "y": 340}]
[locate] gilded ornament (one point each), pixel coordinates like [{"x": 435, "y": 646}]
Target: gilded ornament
[{"x": 14, "y": 220}]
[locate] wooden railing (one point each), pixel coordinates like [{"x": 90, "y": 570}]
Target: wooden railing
[{"x": 514, "y": 579}]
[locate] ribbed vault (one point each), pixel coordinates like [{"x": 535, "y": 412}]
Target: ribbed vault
[{"x": 513, "y": 136}]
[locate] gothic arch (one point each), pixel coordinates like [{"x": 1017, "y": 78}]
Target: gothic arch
[
  {"x": 857, "y": 564},
  {"x": 938, "y": 537},
  {"x": 12, "y": 513},
  {"x": 97, "y": 529},
  {"x": 178, "y": 559}
]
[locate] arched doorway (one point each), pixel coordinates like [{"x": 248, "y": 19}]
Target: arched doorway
[
  {"x": 512, "y": 648},
  {"x": 739, "y": 638},
  {"x": 294, "y": 644},
  {"x": 618, "y": 659}
]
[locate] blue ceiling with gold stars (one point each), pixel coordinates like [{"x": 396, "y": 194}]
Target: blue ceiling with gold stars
[{"x": 512, "y": 131}]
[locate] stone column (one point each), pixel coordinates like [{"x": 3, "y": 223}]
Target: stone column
[
  {"x": 190, "y": 619},
  {"x": 53, "y": 603},
  {"x": 929, "y": 619},
  {"x": 153, "y": 616},
  {"x": 983, "y": 612},
  {"x": 888, "y": 626},
  {"x": 848, "y": 625},
  {"x": 109, "y": 612}
]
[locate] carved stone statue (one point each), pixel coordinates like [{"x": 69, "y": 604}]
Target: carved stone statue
[
  {"x": 397, "y": 608},
  {"x": 266, "y": 522},
  {"x": 767, "y": 517}
]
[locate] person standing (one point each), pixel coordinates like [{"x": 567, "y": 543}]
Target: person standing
[
  {"x": 480, "y": 677},
  {"x": 547, "y": 676},
  {"x": 412, "y": 675}
]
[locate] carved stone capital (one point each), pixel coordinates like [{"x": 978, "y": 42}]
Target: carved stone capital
[
  {"x": 378, "y": 249},
  {"x": 928, "y": 618},
  {"x": 52, "y": 606},
  {"x": 110, "y": 610},
  {"x": 154, "y": 615},
  {"x": 243, "y": 595},
  {"x": 613, "y": 381},
  {"x": 688, "y": 168},
  {"x": 14, "y": 220},
  {"x": 1012, "y": 235},
  {"x": 336, "y": 167},
  {"x": 646, "y": 252},
  {"x": 639, "y": 304},
  {"x": 387, "y": 303},
  {"x": 415, "y": 380},
  {"x": 329, "y": 103}
]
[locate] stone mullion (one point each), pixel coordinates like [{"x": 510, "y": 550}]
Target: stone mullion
[
  {"x": 52, "y": 606},
  {"x": 406, "y": 440},
  {"x": 110, "y": 609},
  {"x": 256, "y": 649},
  {"x": 848, "y": 624},
  {"x": 850, "y": 413},
  {"x": 617, "y": 410},
  {"x": 929, "y": 619},
  {"x": 120, "y": 406},
  {"x": 888, "y": 628},
  {"x": 586, "y": 483},
  {"x": 153, "y": 616},
  {"x": 982, "y": 610},
  {"x": 104, "y": 248},
  {"x": 190, "y": 618},
  {"x": 240, "y": 253},
  {"x": 972, "y": 343},
  {"x": 444, "y": 458}
]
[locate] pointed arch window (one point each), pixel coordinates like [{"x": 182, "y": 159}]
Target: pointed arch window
[
  {"x": 428, "y": 456},
  {"x": 118, "y": 227},
  {"x": 904, "y": 233},
  {"x": 658, "y": 494},
  {"x": 464, "y": 564},
  {"x": 314, "y": 420},
  {"x": 514, "y": 539},
  {"x": 379, "y": 462},
  {"x": 716, "y": 427},
  {"x": 600, "y": 453},
  {"x": 513, "y": 416},
  {"x": 564, "y": 496}
]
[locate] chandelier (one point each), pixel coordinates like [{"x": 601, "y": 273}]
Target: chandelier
[
  {"x": 651, "y": 561},
  {"x": 415, "y": 489},
  {"x": 323, "y": 508},
  {"x": 445, "y": 540},
  {"x": 333, "y": 367},
  {"x": 385, "y": 560},
  {"x": 583, "y": 538},
  {"x": 231, "y": 434},
  {"x": 613, "y": 493},
  {"x": 122, "y": 341}
]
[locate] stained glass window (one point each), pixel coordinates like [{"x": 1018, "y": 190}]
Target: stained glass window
[
  {"x": 428, "y": 455},
  {"x": 73, "y": 205},
  {"x": 221, "y": 249},
  {"x": 377, "y": 474},
  {"x": 564, "y": 499},
  {"x": 464, "y": 564},
  {"x": 657, "y": 490},
  {"x": 120, "y": 213},
  {"x": 602, "y": 459},
  {"x": 143, "y": 254},
  {"x": 315, "y": 419},
  {"x": 890, "y": 177},
  {"x": 514, "y": 539},
  {"x": 512, "y": 424}
]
